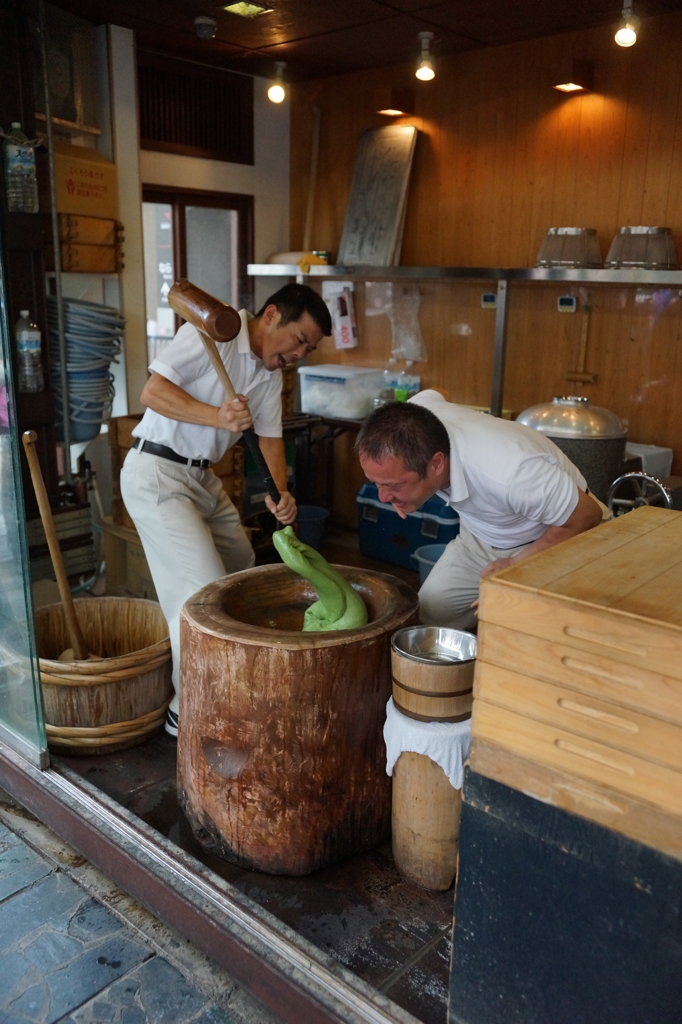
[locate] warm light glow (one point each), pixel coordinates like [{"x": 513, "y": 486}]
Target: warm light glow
[
  {"x": 389, "y": 112},
  {"x": 425, "y": 71},
  {"x": 626, "y": 34},
  {"x": 276, "y": 91},
  {"x": 247, "y": 10},
  {"x": 568, "y": 87}
]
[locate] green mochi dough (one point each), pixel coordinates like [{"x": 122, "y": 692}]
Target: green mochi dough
[{"x": 339, "y": 606}]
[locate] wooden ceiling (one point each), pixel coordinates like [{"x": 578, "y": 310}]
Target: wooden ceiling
[{"x": 327, "y": 37}]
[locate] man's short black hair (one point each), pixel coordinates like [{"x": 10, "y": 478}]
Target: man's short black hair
[
  {"x": 293, "y": 300},
  {"x": 405, "y": 430}
]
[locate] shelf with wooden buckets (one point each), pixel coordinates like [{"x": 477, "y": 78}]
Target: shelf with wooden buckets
[{"x": 433, "y": 673}]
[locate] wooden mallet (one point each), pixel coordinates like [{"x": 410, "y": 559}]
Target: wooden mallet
[{"x": 216, "y": 321}]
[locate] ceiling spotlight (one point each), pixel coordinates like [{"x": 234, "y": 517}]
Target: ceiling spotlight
[
  {"x": 627, "y": 31},
  {"x": 205, "y": 27},
  {"x": 425, "y": 70},
  {"x": 276, "y": 91}
]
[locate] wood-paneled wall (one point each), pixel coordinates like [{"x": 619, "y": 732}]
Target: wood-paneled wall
[{"x": 501, "y": 157}]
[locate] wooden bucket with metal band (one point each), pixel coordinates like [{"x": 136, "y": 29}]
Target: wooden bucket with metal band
[
  {"x": 433, "y": 673},
  {"x": 117, "y": 700}
]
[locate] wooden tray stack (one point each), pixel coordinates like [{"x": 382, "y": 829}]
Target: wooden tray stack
[
  {"x": 578, "y": 684},
  {"x": 91, "y": 245}
]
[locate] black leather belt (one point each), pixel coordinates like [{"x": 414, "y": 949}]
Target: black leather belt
[{"x": 164, "y": 452}]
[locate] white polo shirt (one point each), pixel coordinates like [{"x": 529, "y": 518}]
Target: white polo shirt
[
  {"x": 508, "y": 482},
  {"x": 185, "y": 363}
]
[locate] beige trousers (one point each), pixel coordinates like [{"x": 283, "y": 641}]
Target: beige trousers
[
  {"x": 452, "y": 585},
  {"x": 190, "y": 532}
]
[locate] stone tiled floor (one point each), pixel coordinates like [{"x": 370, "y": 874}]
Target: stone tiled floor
[
  {"x": 391, "y": 933},
  {"x": 65, "y": 957}
]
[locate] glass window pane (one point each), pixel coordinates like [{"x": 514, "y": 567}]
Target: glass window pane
[
  {"x": 212, "y": 251},
  {"x": 159, "y": 274},
  {"x": 21, "y": 710}
]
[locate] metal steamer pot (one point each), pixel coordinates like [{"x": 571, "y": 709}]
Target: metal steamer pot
[{"x": 592, "y": 437}]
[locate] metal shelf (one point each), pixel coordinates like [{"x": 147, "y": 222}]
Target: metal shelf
[
  {"x": 634, "y": 276},
  {"x": 503, "y": 276},
  {"x": 70, "y": 127}
]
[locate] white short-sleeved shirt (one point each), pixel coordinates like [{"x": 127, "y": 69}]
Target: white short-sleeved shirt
[
  {"x": 185, "y": 363},
  {"x": 508, "y": 483}
]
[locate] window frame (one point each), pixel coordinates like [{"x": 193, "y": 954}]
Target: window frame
[{"x": 179, "y": 199}]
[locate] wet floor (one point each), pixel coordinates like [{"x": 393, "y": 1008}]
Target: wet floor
[{"x": 393, "y": 934}]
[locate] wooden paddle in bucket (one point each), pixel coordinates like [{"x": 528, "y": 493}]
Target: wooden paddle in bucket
[{"x": 75, "y": 634}]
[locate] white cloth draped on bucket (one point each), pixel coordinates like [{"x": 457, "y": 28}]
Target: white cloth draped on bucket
[{"x": 446, "y": 743}]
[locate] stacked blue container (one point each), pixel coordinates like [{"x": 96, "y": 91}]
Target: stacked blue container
[
  {"x": 384, "y": 535},
  {"x": 93, "y": 340}
]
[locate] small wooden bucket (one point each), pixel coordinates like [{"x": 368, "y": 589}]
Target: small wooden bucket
[
  {"x": 101, "y": 706},
  {"x": 433, "y": 673}
]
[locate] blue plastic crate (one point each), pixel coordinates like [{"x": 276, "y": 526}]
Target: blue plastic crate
[{"x": 384, "y": 535}]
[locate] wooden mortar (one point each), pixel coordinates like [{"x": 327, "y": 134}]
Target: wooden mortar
[{"x": 281, "y": 757}]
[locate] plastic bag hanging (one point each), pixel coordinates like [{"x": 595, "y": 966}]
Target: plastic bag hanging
[
  {"x": 408, "y": 342},
  {"x": 400, "y": 304}
]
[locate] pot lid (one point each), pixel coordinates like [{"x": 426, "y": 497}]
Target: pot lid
[{"x": 573, "y": 416}]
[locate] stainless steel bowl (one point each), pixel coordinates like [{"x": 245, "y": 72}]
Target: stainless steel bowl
[
  {"x": 428, "y": 644},
  {"x": 649, "y": 247},
  {"x": 570, "y": 247}
]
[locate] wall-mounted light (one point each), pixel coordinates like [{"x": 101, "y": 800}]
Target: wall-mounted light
[
  {"x": 276, "y": 92},
  {"x": 394, "y": 102},
  {"x": 425, "y": 70},
  {"x": 627, "y": 31},
  {"x": 579, "y": 77}
]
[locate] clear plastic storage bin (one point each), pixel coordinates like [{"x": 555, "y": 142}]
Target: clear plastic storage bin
[{"x": 339, "y": 392}]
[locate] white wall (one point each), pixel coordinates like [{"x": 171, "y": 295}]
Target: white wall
[{"x": 267, "y": 180}]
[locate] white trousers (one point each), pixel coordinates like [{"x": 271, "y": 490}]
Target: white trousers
[
  {"x": 451, "y": 587},
  {"x": 190, "y": 532}
]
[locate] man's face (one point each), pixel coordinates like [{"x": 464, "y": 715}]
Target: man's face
[
  {"x": 287, "y": 344},
  {"x": 400, "y": 487}
]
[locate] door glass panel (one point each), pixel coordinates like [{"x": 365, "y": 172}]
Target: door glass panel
[
  {"x": 159, "y": 274},
  {"x": 212, "y": 251},
  {"x": 21, "y": 710}
]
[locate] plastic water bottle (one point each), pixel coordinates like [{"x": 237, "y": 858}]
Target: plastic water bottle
[
  {"x": 30, "y": 378},
  {"x": 21, "y": 184},
  {"x": 389, "y": 373},
  {"x": 406, "y": 383}
]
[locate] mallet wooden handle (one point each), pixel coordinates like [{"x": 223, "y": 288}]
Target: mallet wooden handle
[
  {"x": 75, "y": 635},
  {"x": 195, "y": 305}
]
